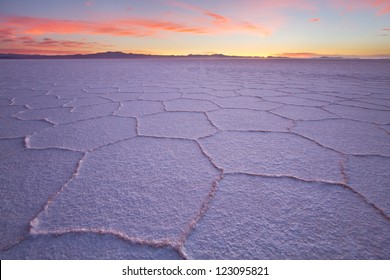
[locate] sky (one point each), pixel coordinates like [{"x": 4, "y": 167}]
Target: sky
[{"x": 295, "y": 28}]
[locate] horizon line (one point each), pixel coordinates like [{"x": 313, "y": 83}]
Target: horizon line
[{"x": 210, "y": 55}]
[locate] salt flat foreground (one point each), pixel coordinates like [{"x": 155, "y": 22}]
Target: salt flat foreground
[{"x": 198, "y": 159}]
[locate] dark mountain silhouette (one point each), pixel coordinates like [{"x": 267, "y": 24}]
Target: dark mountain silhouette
[
  {"x": 113, "y": 55},
  {"x": 121, "y": 55},
  {"x": 76, "y": 56}
]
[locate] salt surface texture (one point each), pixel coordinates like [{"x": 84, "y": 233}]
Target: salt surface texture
[{"x": 192, "y": 158}]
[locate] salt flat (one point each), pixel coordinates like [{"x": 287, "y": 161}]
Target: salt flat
[{"x": 195, "y": 159}]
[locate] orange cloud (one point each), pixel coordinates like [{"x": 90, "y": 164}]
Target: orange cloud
[
  {"x": 123, "y": 27},
  {"x": 314, "y": 19},
  {"x": 150, "y": 26},
  {"x": 27, "y": 44},
  {"x": 127, "y": 27},
  {"x": 38, "y": 26}
]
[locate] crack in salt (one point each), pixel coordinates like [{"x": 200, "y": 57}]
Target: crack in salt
[
  {"x": 118, "y": 234},
  {"x": 203, "y": 208},
  {"x": 340, "y": 184},
  {"x": 343, "y": 162},
  {"x": 381, "y": 128},
  {"x": 330, "y": 148},
  {"x": 137, "y": 126},
  {"x": 211, "y": 123},
  {"x": 112, "y": 143},
  {"x": 35, "y": 221},
  {"x": 280, "y": 176},
  {"x": 27, "y": 141},
  {"x": 14, "y": 242}
]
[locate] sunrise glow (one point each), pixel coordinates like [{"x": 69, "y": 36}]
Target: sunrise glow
[{"x": 294, "y": 28}]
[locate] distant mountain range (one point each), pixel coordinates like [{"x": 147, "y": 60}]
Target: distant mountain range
[
  {"x": 110, "y": 55},
  {"x": 121, "y": 55}
]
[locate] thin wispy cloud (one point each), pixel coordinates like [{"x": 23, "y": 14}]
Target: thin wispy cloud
[
  {"x": 89, "y": 3},
  {"x": 381, "y": 7},
  {"x": 217, "y": 18}
]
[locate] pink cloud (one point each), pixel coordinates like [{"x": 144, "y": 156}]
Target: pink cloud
[
  {"x": 216, "y": 17},
  {"x": 314, "y": 19},
  {"x": 381, "y": 6},
  {"x": 386, "y": 29},
  {"x": 38, "y": 26},
  {"x": 51, "y": 43},
  {"x": 278, "y": 5},
  {"x": 22, "y": 50},
  {"x": 89, "y": 3},
  {"x": 124, "y": 27},
  {"x": 23, "y": 30},
  {"x": 224, "y": 23},
  {"x": 13, "y": 42}
]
